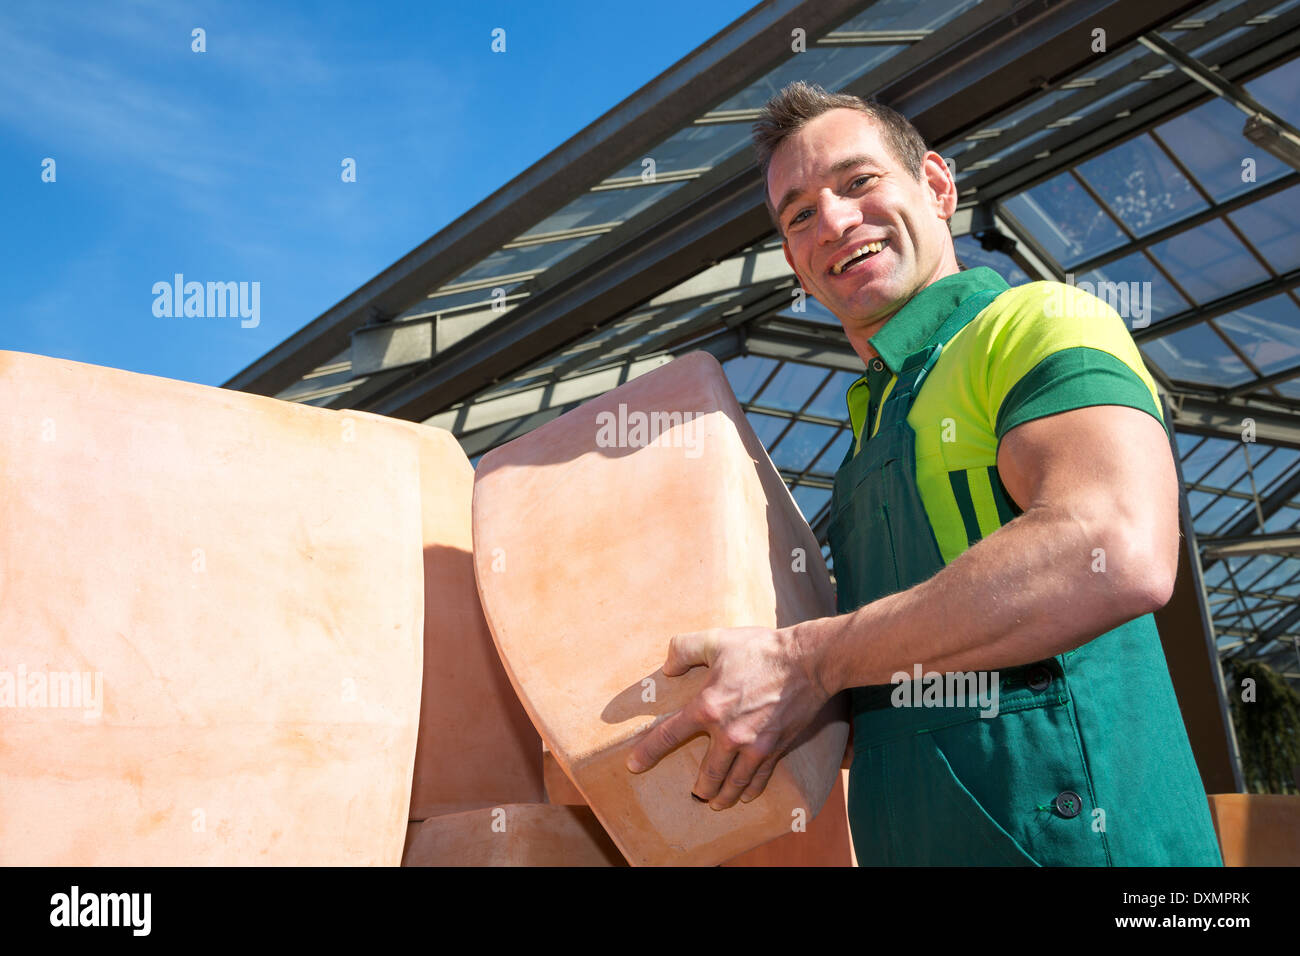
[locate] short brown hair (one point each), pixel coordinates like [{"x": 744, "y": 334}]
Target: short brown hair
[{"x": 799, "y": 103}]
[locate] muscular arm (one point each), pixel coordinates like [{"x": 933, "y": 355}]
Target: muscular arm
[
  {"x": 1100, "y": 477},
  {"x": 1094, "y": 478}
]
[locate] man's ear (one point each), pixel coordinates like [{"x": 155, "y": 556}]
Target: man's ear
[{"x": 940, "y": 180}]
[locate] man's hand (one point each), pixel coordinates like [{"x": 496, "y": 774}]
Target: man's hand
[{"x": 759, "y": 698}]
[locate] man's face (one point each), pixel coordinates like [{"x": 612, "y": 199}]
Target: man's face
[{"x": 837, "y": 187}]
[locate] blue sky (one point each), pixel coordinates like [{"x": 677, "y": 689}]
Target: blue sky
[{"x": 225, "y": 165}]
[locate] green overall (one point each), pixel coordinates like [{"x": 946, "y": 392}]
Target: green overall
[{"x": 1087, "y": 761}]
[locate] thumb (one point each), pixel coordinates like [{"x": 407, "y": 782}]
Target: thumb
[{"x": 690, "y": 650}]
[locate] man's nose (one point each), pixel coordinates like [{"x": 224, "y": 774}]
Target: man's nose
[{"x": 837, "y": 216}]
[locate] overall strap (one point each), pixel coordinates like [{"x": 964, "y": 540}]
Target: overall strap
[{"x": 917, "y": 366}]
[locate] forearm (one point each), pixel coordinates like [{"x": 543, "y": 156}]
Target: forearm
[{"x": 1031, "y": 590}]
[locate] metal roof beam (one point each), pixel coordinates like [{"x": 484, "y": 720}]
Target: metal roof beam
[
  {"x": 750, "y": 46},
  {"x": 528, "y": 401},
  {"x": 1158, "y": 101},
  {"x": 1013, "y": 58},
  {"x": 1226, "y": 419},
  {"x": 728, "y": 214},
  {"x": 1074, "y": 106},
  {"x": 810, "y": 350},
  {"x": 1235, "y": 546}
]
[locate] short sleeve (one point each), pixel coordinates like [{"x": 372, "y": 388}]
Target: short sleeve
[{"x": 1053, "y": 348}]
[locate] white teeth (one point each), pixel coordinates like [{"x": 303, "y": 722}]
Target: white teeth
[{"x": 869, "y": 247}]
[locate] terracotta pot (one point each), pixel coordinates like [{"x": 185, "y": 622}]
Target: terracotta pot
[
  {"x": 599, "y": 536},
  {"x": 243, "y": 577}
]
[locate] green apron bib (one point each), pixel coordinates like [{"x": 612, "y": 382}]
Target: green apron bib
[{"x": 1087, "y": 762}]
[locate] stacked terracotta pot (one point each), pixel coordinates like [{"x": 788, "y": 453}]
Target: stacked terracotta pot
[{"x": 238, "y": 630}]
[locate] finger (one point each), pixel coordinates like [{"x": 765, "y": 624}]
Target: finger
[
  {"x": 714, "y": 769},
  {"x": 662, "y": 740},
  {"x": 689, "y": 650},
  {"x": 758, "y": 782},
  {"x": 738, "y": 780}
]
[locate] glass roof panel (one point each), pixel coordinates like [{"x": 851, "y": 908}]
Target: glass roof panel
[
  {"x": 1065, "y": 220},
  {"x": 1227, "y": 472},
  {"x": 831, "y": 67},
  {"x": 1272, "y": 225},
  {"x": 695, "y": 147},
  {"x": 523, "y": 259},
  {"x": 1007, "y": 124},
  {"x": 1141, "y": 185},
  {"x": 608, "y": 332},
  {"x": 1161, "y": 298},
  {"x": 1272, "y": 468},
  {"x": 1198, "y": 500},
  {"x": 1279, "y": 90},
  {"x": 1206, "y": 14},
  {"x": 605, "y": 205},
  {"x": 905, "y": 15},
  {"x": 1268, "y": 333},
  {"x": 1248, "y": 569},
  {"x": 624, "y": 349},
  {"x": 1282, "y": 8},
  {"x": 1289, "y": 388},
  {"x": 813, "y": 311},
  {"x": 1013, "y": 146},
  {"x": 1265, "y": 619},
  {"x": 791, "y": 387},
  {"x": 1284, "y": 519},
  {"x": 436, "y": 303},
  {"x": 811, "y": 500},
  {"x": 801, "y": 444},
  {"x": 767, "y": 427},
  {"x": 1203, "y": 51},
  {"x": 1186, "y": 442},
  {"x": 1196, "y": 355},
  {"x": 959, "y": 147},
  {"x": 1283, "y": 570},
  {"x": 1208, "y": 262},
  {"x": 1099, "y": 107},
  {"x": 1208, "y": 141},
  {"x": 1116, "y": 60},
  {"x": 972, "y": 254},
  {"x": 1222, "y": 512},
  {"x": 831, "y": 459},
  {"x": 747, "y": 373},
  {"x": 830, "y": 402},
  {"x": 1216, "y": 574}
]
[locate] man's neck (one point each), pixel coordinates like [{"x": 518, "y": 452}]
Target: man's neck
[
  {"x": 859, "y": 336},
  {"x": 859, "y": 339}
]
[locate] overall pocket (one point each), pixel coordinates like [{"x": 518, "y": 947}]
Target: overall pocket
[
  {"x": 907, "y": 808},
  {"x": 1025, "y": 769}
]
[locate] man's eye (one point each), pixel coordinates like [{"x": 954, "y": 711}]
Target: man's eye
[
  {"x": 799, "y": 217},
  {"x": 859, "y": 181}
]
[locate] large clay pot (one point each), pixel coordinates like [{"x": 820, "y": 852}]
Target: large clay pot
[
  {"x": 242, "y": 579},
  {"x": 516, "y": 834},
  {"x": 1257, "y": 829},
  {"x": 599, "y": 536}
]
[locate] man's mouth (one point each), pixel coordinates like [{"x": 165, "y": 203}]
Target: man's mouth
[{"x": 858, "y": 255}]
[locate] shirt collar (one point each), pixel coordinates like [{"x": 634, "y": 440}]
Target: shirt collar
[{"x": 907, "y": 330}]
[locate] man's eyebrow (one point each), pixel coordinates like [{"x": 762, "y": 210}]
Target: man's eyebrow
[{"x": 794, "y": 192}]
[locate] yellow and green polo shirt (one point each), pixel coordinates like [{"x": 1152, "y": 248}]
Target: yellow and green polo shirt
[{"x": 1035, "y": 350}]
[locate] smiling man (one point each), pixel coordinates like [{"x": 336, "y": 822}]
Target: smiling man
[{"x": 1008, "y": 506}]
